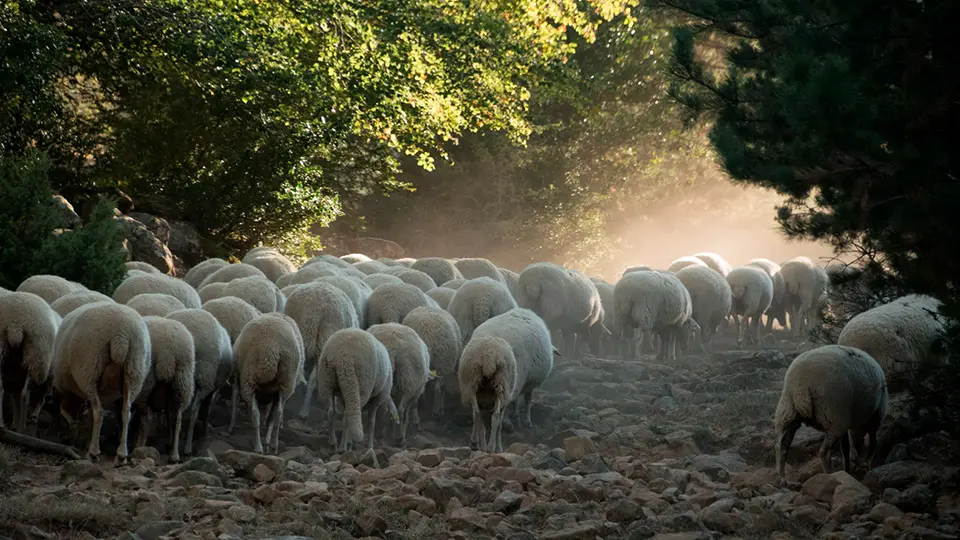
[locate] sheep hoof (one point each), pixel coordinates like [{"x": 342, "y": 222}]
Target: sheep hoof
[{"x": 121, "y": 461}]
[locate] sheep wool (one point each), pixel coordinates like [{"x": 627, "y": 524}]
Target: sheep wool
[
  {"x": 834, "y": 389},
  {"x": 566, "y": 300},
  {"x": 454, "y": 283},
  {"x": 406, "y": 261},
  {"x": 710, "y": 297},
  {"x": 652, "y": 301},
  {"x": 752, "y": 291},
  {"x": 609, "y": 319},
  {"x": 226, "y": 274},
  {"x": 308, "y": 274},
  {"x": 715, "y": 262},
  {"x": 440, "y": 270},
  {"x": 259, "y": 292},
  {"x": 487, "y": 377},
  {"x": 268, "y": 357},
  {"x": 805, "y": 285},
  {"x": 442, "y": 296},
  {"x": 232, "y": 313},
  {"x": 49, "y": 287},
  {"x": 472, "y": 268},
  {"x": 327, "y": 259},
  {"x": 684, "y": 262},
  {"x": 477, "y": 301},
  {"x": 636, "y": 268},
  {"x": 155, "y": 304},
  {"x": 271, "y": 262},
  {"x": 195, "y": 276},
  {"x": 411, "y": 370},
  {"x": 417, "y": 278},
  {"x": 392, "y": 302},
  {"x": 370, "y": 267},
  {"x": 142, "y": 266},
  {"x": 510, "y": 279},
  {"x": 375, "y": 280},
  {"x": 777, "y": 310},
  {"x": 71, "y": 301},
  {"x": 212, "y": 291},
  {"x": 354, "y": 258},
  {"x": 356, "y": 290},
  {"x": 439, "y": 331},
  {"x": 102, "y": 353},
  {"x": 28, "y": 330},
  {"x": 156, "y": 283}
]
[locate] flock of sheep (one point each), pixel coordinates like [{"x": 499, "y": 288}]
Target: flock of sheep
[{"x": 369, "y": 336}]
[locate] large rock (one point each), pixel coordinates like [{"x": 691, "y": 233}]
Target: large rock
[
  {"x": 158, "y": 226},
  {"x": 68, "y": 216},
  {"x": 143, "y": 245},
  {"x": 184, "y": 242}
]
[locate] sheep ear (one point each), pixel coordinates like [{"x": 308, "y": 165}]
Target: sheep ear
[{"x": 556, "y": 352}]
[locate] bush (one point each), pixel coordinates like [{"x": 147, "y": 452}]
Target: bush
[{"x": 31, "y": 244}]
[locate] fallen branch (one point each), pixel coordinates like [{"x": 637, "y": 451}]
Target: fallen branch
[{"x": 37, "y": 445}]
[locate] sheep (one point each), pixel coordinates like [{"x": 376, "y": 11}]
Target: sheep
[
  {"x": 487, "y": 376},
  {"x": 308, "y": 274},
  {"x": 71, "y": 301},
  {"x": 510, "y": 279},
  {"x": 226, "y": 274},
  {"x": 356, "y": 367},
  {"x": 142, "y": 267},
  {"x": 391, "y": 303},
  {"x": 212, "y": 291},
  {"x": 231, "y": 312},
  {"x": 752, "y": 291},
  {"x": 259, "y": 292},
  {"x": 260, "y": 251},
  {"x": 49, "y": 287},
  {"x": 806, "y": 285},
  {"x": 388, "y": 261},
  {"x": 376, "y": 280},
  {"x": 837, "y": 390},
  {"x": 710, "y": 297},
  {"x": 269, "y": 359},
  {"x": 319, "y": 309},
  {"x": 356, "y": 290},
  {"x": 354, "y": 258},
  {"x": 902, "y": 336},
  {"x": 28, "y": 330},
  {"x": 636, "y": 268},
  {"x": 169, "y": 385},
  {"x": 609, "y": 320},
  {"x": 327, "y": 259},
  {"x": 652, "y": 301},
  {"x": 406, "y": 261},
  {"x": 156, "y": 304},
  {"x": 195, "y": 276},
  {"x": 477, "y": 267},
  {"x": 411, "y": 370},
  {"x": 437, "y": 328},
  {"x": 478, "y": 300},
  {"x": 102, "y": 353},
  {"x": 777, "y": 309},
  {"x": 715, "y": 262},
  {"x": 370, "y": 267},
  {"x": 454, "y": 283},
  {"x": 288, "y": 290},
  {"x": 440, "y": 270},
  {"x": 213, "y": 356},
  {"x": 272, "y": 263},
  {"x": 684, "y": 262},
  {"x": 442, "y": 296},
  {"x": 156, "y": 283},
  {"x": 529, "y": 339},
  {"x": 415, "y": 277}
]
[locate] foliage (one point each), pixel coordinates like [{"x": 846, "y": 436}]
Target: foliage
[{"x": 92, "y": 254}]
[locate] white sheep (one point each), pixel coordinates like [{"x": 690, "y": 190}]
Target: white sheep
[
  {"x": 195, "y": 276},
  {"x": 636, "y": 268},
  {"x": 308, "y": 274},
  {"x": 28, "y": 330},
  {"x": 902, "y": 336},
  {"x": 142, "y": 267},
  {"x": 356, "y": 368},
  {"x": 529, "y": 339},
  {"x": 684, "y": 262},
  {"x": 49, "y": 287},
  {"x": 406, "y": 261},
  {"x": 213, "y": 354},
  {"x": 478, "y": 300},
  {"x": 834, "y": 389},
  {"x": 652, "y": 302},
  {"x": 259, "y": 292},
  {"x": 566, "y": 300},
  {"x": 155, "y": 304},
  {"x": 411, "y": 370},
  {"x": 232, "y": 313},
  {"x": 288, "y": 290},
  {"x": 442, "y": 296},
  {"x": 710, "y": 297},
  {"x": 777, "y": 310},
  {"x": 102, "y": 353},
  {"x": 715, "y": 262},
  {"x": 376, "y": 280},
  {"x": 71, "y": 301},
  {"x": 417, "y": 278},
  {"x": 752, "y": 291},
  {"x": 271, "y": 262},
  {"x": 354, "y": 258},
  {"x": 319, "y": 309},
  {"x": 169, "y": 386},
  {"x": 226, "y": 274},
  {"x": 806, "y": 288},
  {"x": 437, "y": 328},
  {"x": 391, "y": 303},
  {"x": 212, "y": 291},
  {"x": 609, "y": 320},
  {"x": 156, "y": 283},
  {"x": 388, "y": 261},
  {"x": 487, "y": 377},
  {"x": 510, "y": 279},
  {"x": 454, "y": 283},
  {"x": 328, "y": 259},
  {"x": 473, "y": 268},
  {"x": 371, "y": 267},
  {"x": 356, "y": 290},
  {"x": 268, "y": 357},
  {"x": 440, "y": 270}
]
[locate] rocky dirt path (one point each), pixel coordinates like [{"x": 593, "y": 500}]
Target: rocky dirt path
[{"x": 619, "y": 450}]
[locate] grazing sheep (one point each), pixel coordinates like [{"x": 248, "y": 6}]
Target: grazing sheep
[
  {"x": 388, "y": 261},
  {"x": 684, "y": 262},
  {"x": 102, "y": 353},
  {"x": 327, "y": 259},
  {"x": 652, "y": 301},
  {"x": 806, "y": 286},
  {"x": 417, "y": 278},
  {"x": 319, "y": 309},
  {"x": 212, "y": 291},
  {"x": 71, "y": 301},
  {"x": 529, "y": 338},
  {"x": 777, "y": 309},
  {"x": 354, "y": 258},
  {"x": 28, "y": 330},
  {"x": 411, "y": 370},
  {"x": 478, "y": 300},
  {"x": 155, "y": 304},
  {"x": 834, "y": 389},
  {"x": 214, "y": 365},
  {"x": 902, "y": 336},
  {"x": 356, "y": 290},
  {"x": 371, "y": 267},
  {"x": 442, "y": 296},
  {"x": 49, "y": 287},
  {"x": 488, "y": 381},
  {"x": 169, "y": 385},
  {"x": 156, "y": 283},
  {"x": 437, "y": 328},
  {"x": 752, "y": 291},
  {"x": 376, "y": 280},
  {"x": 288, "y": 290},
  {"x": 406, "y": 261},
  {"x": 510, "y": 279},
  {"x": 195, "y": 276},
  {"x": 232, "y": 313},
  {"x": 269, "y": 361},
  {"x": 473, "y": 268},
  {"x": 715, "y": 262},
  {"x": 454, "y": 283},
  {"x": 356, "y": 368},
  {"x": 391, "y": 303},
  {"x": 566, "y": 299},
  {"x": 142, "y": 267},
  {"x": 226, "y": 274},
  {"x": 636, "y": 268},
  {"x": 271, "y": 262},
  {"x": 609, "y": 320},
  {"x": 710, "y": 297},
  {"x": 308, "y": 274},
  {"x": 440, "y": 270},
  {"x": 259, "y": 292}
]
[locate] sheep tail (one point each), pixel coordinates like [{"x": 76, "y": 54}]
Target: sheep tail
[
  {"x": 14, "y": 335},
  {"x": 350, "y": 391},
  {"x": 481, "y": 312},
  {"x": 120, "y": 350}
]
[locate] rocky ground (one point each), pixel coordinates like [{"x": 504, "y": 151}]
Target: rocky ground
[{"x": 619, "y": 450}]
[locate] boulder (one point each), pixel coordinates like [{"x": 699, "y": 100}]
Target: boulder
[
  {"x": 69, "y": 218},
  {"x": 158, "y": 226},
  {"x": 184, "y": 242},
  {"x": 143, "y": 245}
]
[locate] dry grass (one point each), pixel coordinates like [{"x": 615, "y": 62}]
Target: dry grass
[{"x": 66, "y": 518}]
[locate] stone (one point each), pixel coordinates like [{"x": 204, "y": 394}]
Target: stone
[
  {"x": 263, "y": 473},
  {"x": 895, "y": 475},
  {"x": 153, "y": 530},
  {"x": 721, "y": 516},
  {"x": 185, "y": 242},
  {"x": 577, "y": 447},
  {"x": 143, "y": 245},
  {"x": 245, "y": 463},
  {"x": 507, "y": 501},
  {"x": 158, "y": 226},
  {"x": 820, "y": 487},
  {"x": 69, "y": 219},
  {"x": 194, "y": 478},
  {"x": 82, "y": 469}
]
